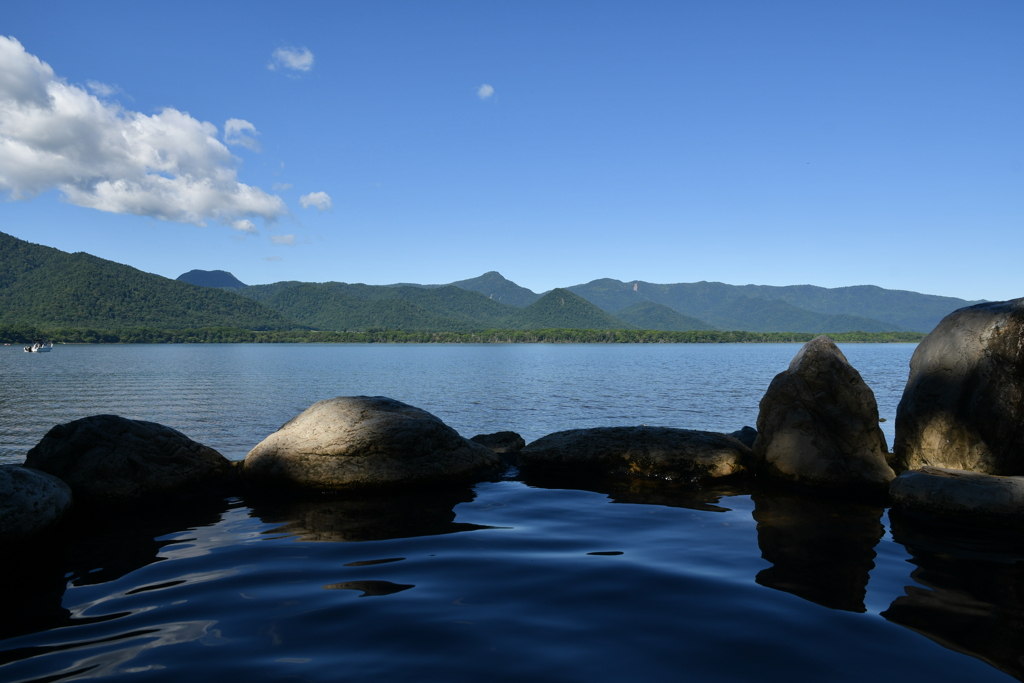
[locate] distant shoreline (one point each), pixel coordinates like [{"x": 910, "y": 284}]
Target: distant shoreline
[{"x": 219, "y": 335}]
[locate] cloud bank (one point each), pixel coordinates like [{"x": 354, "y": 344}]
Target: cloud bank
[
  {"x": 484, "y": 91},
  {"x": 99, "y": 155},
  {"x": 293, "y": 58},
  {"x": 321, "y": 200}
]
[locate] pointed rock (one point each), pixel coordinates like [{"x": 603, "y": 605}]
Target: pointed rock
[{"x": 818, "y": 423}]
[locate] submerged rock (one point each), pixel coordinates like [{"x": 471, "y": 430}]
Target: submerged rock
[
  {"x": 746, "y": 436},
  {"x": 963, "y": 406},
  {"x": 654, "y": 452},
  {"x": 110, "y": 459},
  {"x": 962, "y": 494},
  {"x": 818, "y": 423},
  {"x": 505, "y": 444},
  {"x": 361, "y": 442},
  {"x": 31, "y": 502}
]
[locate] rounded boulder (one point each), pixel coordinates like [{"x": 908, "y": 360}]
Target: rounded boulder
[
  {"x": 367, "y": 442},
  {"x": 644, "y": 452},
  {"x": 31, "y": 502},
  {"x": 963, "y": 406},
  {"x": 959, "y": 494},
  {"x": 111, "y": 459}
]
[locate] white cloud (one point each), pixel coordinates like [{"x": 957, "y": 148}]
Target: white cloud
[
  {"x": 484, "y": 91},
  {"x": 99, "y": 155},
  {"x": 282, "y": 186},
  {"x": 241, "y": 132},
  {"x": 283, "y": 239},
  {"x": 321, "y": 200},
  {"x": 102, "y": 89},
  {"x": 294, "y": 58},
  {"x": 244, "y": 225}
]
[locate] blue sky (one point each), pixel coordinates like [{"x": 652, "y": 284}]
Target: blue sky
[{"x": 556, "y": 142}]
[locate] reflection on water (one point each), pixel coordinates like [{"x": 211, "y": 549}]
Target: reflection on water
[
  {"x": 821, "y": 550},
  {"x": 366, "y": 518},
  {"x": 705, "y": 498},
  {"x": 970, "y": 592}
]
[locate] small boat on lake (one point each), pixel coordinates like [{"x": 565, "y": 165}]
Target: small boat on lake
[{"x": 39, "y": 347}]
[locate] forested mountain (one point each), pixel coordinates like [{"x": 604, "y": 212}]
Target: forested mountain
[
  {"x": 45, "y": 286},
  {"x": 647, "y": 315},
  {"x": 212, "y": 278}
]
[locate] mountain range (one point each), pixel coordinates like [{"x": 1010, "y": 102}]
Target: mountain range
[{"x": 47, "y": 287}]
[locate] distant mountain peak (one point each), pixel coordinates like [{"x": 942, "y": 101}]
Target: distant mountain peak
[
  {"x": 494, "y": 285},
  {"x": 212, "y": 278}
]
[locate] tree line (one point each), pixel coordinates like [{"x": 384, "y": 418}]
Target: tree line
[{"x": 23, "y": 334}]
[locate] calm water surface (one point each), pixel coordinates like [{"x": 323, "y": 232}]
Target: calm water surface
[{"x": 509, "y": 579}]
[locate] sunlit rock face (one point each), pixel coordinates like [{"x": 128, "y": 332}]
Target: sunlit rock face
[
  {"x": 367, "y": 442},
  {"x": 963, "y": 406},
  {"x": 31, "y": 502},
  {"x": 111, "y": 459},
  {"x": 653, "y": 452},
  {"x": 960, "y": 494},
  {"x": 818, "y": 423}
]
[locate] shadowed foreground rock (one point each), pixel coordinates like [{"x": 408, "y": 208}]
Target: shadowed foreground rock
[
  {"x": 963, "y": 406},
  {"x": 505, "y": 444},
  {"x": 964, "y": 495},
  {"x": 818, "y": 423},
  {"x": 31, "y": 502},
  {"x": 366, "y": 442},
  {"x": 656, "y": 452},
  {"x": 111, "y": 459}
]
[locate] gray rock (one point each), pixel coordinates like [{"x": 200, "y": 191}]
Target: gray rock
[
  {"x": 361, "y": 442},
  {"x": 818, "y": 423},
  {"x": 31, "y": 502},
  {"x": 501, "y": 442},
  {"x": 647, "y": 452},
  {"x": 505, "y": 444},
  {"x": 963, "y": 406},
  {"x": 940, "y": 490},
  {"x": 111, "y": 459},
  {"x": 745, "y": 436}
]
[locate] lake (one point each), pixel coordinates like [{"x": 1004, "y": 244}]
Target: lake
[{"x": 518, "y": 578}]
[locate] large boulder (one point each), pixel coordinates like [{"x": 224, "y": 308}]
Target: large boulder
[
  {"x": 959, "y": 494},
  {"x": 646, "y": 452},
  {"x": 505, "y": 444},
  {"x": 818, "y": 423},
  {"x": 963, "y": 406},
  {"x": 31, "y": 502},
  {"x": 111, "y": 459},
  {"x": 365, "y": 442}
]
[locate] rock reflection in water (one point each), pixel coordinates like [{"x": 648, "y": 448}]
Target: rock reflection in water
[
  {"x": 367, "y": 517},
  {"x": 94, "y": 547},
  {"x": 970, "y": 592},
  {"x": 821, "y": 550},
  {"x": 704, "y": 497}
]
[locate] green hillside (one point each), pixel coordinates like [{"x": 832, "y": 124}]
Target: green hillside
[
  {"x": 212, "y": 278},
  {"x": 724, "y": 306},
  {"x": 561, "y": 309},
  {"x": 494, "y": 286},
  {"x": 908, "y": 310},
  {"x": 343, "y": 306},
  {"x": 647, "y": 315},
  {"x": 45, "y": 286}
]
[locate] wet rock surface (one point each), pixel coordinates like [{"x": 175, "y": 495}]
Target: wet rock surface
[
  {"x": 818, "y": 423},
  {"x": 654, "y": 452},
  {"x": 367, "y": 442},
  {"x": 963, "y": 405},
  {"x": 505, "y": 444},
  {"x": 943, "y": 491},
  {"x": 111, "y": 459},
  {"x": 31, "y": 502}
]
